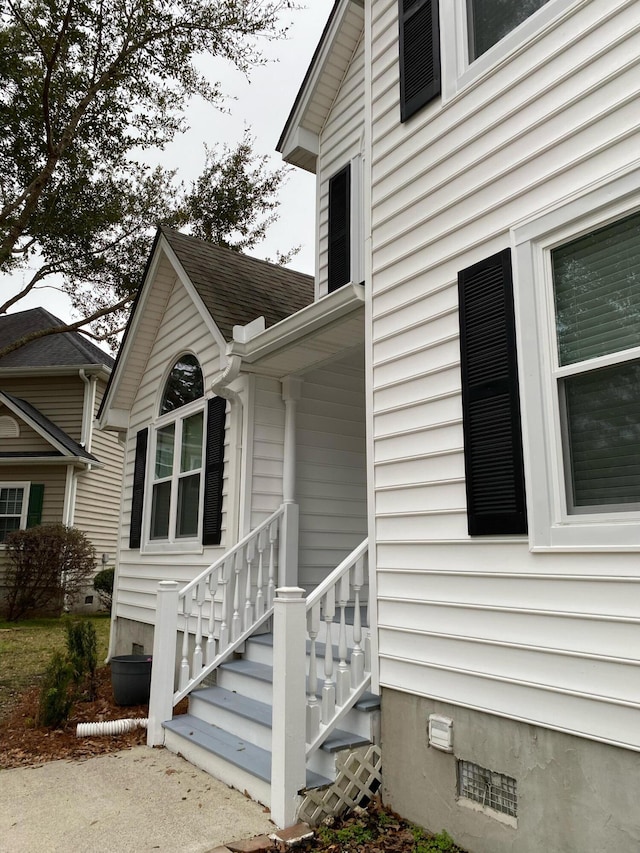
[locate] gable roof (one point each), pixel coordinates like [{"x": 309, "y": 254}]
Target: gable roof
[
  {"x": 237, "y": 288},
  {"x": 67, "y": 349},
  {"x": 299, "y": 142},
  {"x": 230, "y": 289},
  {"x": 65, "y": 445}
]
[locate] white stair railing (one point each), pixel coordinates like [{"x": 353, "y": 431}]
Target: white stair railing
[
  {"x": 345, "y": 682},
  {"x": 216, "y": 613}
]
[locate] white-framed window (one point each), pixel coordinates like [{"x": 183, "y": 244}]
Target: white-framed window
[
  {"x": 577, "y": 272},
  {"x": 477, "y": 34},
  {"x": 14, "y": 503},
  {"x": 176, "y": 458}
]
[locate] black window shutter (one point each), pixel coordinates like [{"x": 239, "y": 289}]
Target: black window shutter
[
  {"x": 214, "y": 471},
  {"x": 339, "y": 229},
  {"x": 419, "y": 54},
  {"x": 34, "y": 509},
  {"x": 490, "y": 399},
  {"x": 137, "y": 501}
]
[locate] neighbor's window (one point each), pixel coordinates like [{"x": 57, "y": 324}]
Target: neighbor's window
[
  {"x": 596, "y": 281},
  {"x": 13, "y": 509},
  {"x": 489, "y": 21},
  {"x": 178, "y": 460}
]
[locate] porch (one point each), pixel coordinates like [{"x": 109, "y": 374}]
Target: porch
[{"x": 271, "y": 643}]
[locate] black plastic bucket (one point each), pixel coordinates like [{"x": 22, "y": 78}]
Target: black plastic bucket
[{"x": 131, "y": 679}]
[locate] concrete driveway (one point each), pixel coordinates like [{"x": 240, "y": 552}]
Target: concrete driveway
[{"x": 136, "y": 800}]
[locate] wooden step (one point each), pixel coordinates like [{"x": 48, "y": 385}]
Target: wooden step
[{"x": 248, "y": 757}]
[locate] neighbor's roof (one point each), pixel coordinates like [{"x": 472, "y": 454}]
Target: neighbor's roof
[
  {"x": 43, "y": 425},
  {"x": 67, "y": 349},
  {"x": 237, "y": 288}
]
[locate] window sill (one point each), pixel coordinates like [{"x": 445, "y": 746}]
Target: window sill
[{"x": 187, "y": 547}]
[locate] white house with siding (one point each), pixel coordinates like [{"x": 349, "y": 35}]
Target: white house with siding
[{"x": 470, "y": 359}]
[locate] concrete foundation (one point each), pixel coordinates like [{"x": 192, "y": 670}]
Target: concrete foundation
[
  {"x": 573, "y": 794},
  {"x": 130, "y": 633}
]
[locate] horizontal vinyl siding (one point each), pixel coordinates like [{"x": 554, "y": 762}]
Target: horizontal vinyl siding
[
  {"x": 98, "y": 493},
  {"x": 547, "y": 638},
  {"x": 182, "y": 329},
  {"x": 59, "y": 398},
  {"x": 340, "y": 141},
  {"x": 267, "y": 449},
  {"x": 331, "y": 473},
  {"x": 54, "y": 478},
  {"x": 28, "y": 440}
]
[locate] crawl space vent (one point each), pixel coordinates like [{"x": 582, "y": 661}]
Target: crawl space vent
[{"x": 493, "y": 790}]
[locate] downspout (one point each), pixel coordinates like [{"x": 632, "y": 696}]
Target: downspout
[{"x": 88, "y": 407}]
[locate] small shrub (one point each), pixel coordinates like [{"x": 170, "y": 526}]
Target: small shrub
[
  {"x": 56, "y": 697},
  {"x": 103, "y": 585},
  {"x": 48, "y": 567},
  {"x": 82, "y": 654}
]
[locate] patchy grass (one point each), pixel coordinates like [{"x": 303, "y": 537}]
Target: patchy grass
[{"x": 26, "y": 648}]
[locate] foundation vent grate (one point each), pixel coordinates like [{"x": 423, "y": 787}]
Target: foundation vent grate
[{"x": 493, "y": 790}]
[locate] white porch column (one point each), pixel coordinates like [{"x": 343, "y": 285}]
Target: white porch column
[
  {"x": 288, "y": 566},
  {"x": 288, "y": 773},
  {"x": 164, "y": 661}
]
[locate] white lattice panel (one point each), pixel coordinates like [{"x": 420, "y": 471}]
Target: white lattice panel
[{"x": 359, "y": 774}]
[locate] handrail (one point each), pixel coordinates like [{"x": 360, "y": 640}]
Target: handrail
[
  {"x": 337, "y": 573},
  {"x": 232, "y": 551}
]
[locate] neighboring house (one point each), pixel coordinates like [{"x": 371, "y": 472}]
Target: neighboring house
[
  {"x": 473, "y": 406},
  {"x": 54, "y": 468}
]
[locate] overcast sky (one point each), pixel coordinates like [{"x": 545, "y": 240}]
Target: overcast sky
[{"x": 262, "y": 104}]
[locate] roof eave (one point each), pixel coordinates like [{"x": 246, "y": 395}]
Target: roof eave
[
  {"x": 299, "y": 145},
  {"x": 57, "y": 370},
  {"x": 314, "y": 316}
]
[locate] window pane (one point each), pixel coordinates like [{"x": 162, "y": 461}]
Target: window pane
[
  {"x": 597, "y": 292},
  {"x": 492, "y": 20},
  {"x": 160, "y": 510},
  {"x": 603, "y": 424},
  {"x": 191, "y": 456},
  {"x": 184, "y": 384},
  {"x": 164, "y": 451},
  {"x": 6, "y": 525},
  {"x": 11, "y": 501},
  {"x": 188, "y": 505}
]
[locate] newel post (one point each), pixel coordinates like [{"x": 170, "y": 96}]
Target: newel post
[
  {"x": 164, "y": 661},
  {"x": 288, "y": 760}
]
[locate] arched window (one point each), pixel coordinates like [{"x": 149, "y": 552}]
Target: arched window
[
  {"x": 184, "y": 384},
  {"x": 176, "y": 494}
]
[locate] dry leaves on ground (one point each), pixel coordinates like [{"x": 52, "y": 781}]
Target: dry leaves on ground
[{"x": 23, "y": 743}]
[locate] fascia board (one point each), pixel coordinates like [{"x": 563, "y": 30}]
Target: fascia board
[
  {"x": 195, "y": 296},
  {"x": 321, "y": 313},
  {"x": 78, "y": 461},
  {"x": 56, "y": 370},
  {"x": 129, "y": 340},
  {"x": 291, "y": 139}
]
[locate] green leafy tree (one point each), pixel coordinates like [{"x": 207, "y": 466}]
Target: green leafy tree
[{"x": 86, "y": 88}]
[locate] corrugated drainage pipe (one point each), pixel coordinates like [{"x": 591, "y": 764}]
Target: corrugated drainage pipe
[{"x": 110, "y": 727}]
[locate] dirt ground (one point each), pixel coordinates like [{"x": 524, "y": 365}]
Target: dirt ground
[{"x": 23, "y": 743}]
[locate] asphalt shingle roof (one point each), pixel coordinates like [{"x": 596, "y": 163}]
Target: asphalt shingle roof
[
  {"x": 36, "y": 417},
  {"x": 66, "y": 349},
  {"x": 237, "y": 288}
]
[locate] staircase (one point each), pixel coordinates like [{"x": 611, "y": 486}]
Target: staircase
[{"x": 277, "y": 684}]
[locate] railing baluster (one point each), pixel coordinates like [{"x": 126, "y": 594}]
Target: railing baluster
[
  {"x": 357, "y": 655},
  {"x": 197, "y": 649},
  {"x": 236, "y": 622},
  {"x": 248, "y": 607},
  {"x": 184, "y": 664},
  {"x": 260, "y": 580},
  {"x": 343, "y": 679},
  {"x": 313, "y": 703},
  {"x": 273, "y": 538},
  {"x": 329, "y": 687},
  {"x": 227, "y": 569},
  {"x": 211, "y": 637}
]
